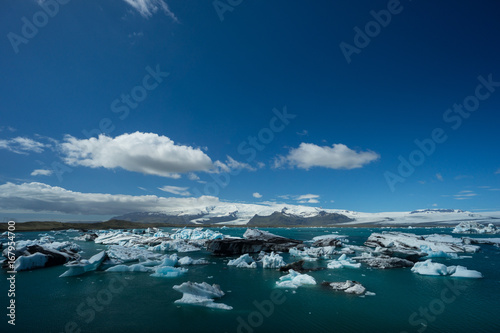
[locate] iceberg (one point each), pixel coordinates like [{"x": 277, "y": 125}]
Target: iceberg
[
  {"x": 342, "y": 262},
  {"x": 244, "y": 261},
  {"x": 131, "y": 268},
  {"x": 185, "y": 261},
  {"x": 168, "y": 271},
  {"x": 272, "y": 261},
  {"x": 201, "y": 294},
  {"x": 433, "y": 268},
  {"x": 328, "y": 240},
  {"x": 295, "y": 280},
  {"x": 197, "y": 233},
  {"x": 470, "y": 227},
  {"x": 36, "y": 260},
  {"x": 313, "y": 253},
  {"x": 349, "y": 287},
  {"x": 83, "y": 266},
  {"x": 128, "y": 254}
]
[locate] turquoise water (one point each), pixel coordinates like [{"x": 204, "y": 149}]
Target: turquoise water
[{"x": 136, "y": 302}]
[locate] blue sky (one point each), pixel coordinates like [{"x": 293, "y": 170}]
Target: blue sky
[{"x": 250, "y": 102}]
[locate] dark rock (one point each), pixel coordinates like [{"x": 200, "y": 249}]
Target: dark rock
[{"x": 298, "y": 267}]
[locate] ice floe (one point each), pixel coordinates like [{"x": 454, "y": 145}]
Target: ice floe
[
  {"x": 244, "y": 261},
  {"x": 349, "y": 287},
  {"x": 272, "y": 260},
  {"x": 295, "y": 280},
  {"x": 313, "y": 253},
  {"x": 201, "y": 294},
  {"x": 131, "y": 268},
  {"x": 342, "y": 262},
  {"x": 471, "y": 227},
  {"x": 168, "y": 271},
  {"x": 82, "y": 266},
  {"x": 433, "y": 268}
]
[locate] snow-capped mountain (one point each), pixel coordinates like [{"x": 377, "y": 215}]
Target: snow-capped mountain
[{"x": 282, "y": 214}]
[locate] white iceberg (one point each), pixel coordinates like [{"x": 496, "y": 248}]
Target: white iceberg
[
  {"x": 25, "y": 263},
  {"x": 349, "y": 287},
  {"x": 83, "y": 266},
  {"x": 197, "y": 233},
  {"x": 313, "y": 253},
  {"x": 201, "y": 294},
  {"x": 128, "y": 254},
  {"x": 295, "y": 280},
  {"x": 272, "y": 260},
  {"x": 433, "y": 268},
  {"x": 185, "y": 261},
  {"x": 342, "y": 262},
  {"x": 470, "y": 227},
  {"x": 244, "y": 261}
]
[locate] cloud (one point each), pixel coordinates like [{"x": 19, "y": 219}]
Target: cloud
[
  {"x": 41, "y": 197},
  {"x": 439, "y": 177},
  {"x": 7, "y": 128},
  {"x": 497, "y": 172},
  {"x": 231, "y": 164},
  {"x": 463, "y": 195},
  {"x": 176, "y": 190},
  {"x": 434, "y": 205},
  {"x": 339, "y": 156},
  {"x": 41, "y": 172},
  {"x": 147, "y": 153},
  {"x": 149, "y": 7},
  {"x": 20, "y": 145},
  {"x": 460, "y": 177},
  {"x": 308, "y": 198},
  {"x": 302, "y": 133},
  {"x": 193, "y": 176},
  {"x": 257, "y": 195}
]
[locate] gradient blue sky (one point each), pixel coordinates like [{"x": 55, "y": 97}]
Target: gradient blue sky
[{"x": 353, "y": 120}]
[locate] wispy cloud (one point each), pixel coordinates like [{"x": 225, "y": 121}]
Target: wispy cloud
[
  {"x": 183, "y": 191},
  {"x": 497, "y": 172},
  {"x": 303, "y": 132},
  {"x": 42, "y": 172},
  {"x": 439, "y": 177},
  {"x": 257, "y": 195},
  {"x": 22, "y": 145},
  {"x": 149, "y": 7},
  {"x": 339, "y": 156},
  {"x": 463, "y": 195}
]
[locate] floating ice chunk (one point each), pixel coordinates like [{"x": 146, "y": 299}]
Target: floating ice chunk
[
  {"x": 369, "y": 293},
  {"x": 349, "y": 287},
  {"x": 461, "y": 271},
  {"x": 295, "y": 280},
  {"x": 437, "y": 254},
  {"x": 470, "y": 227},
  {"x": 167, "y": 271},
  {"x": 170, "y": 260},
  {"x": 273, "y": 260},
  {"x": 328, "y": 240},
  {"x": 325, "y": 252},
  {"x": 201, "y": 294},
  {"x": 179, "y": 245},
  {"x": 432, "y": 268},
  {"x": 82, "y": 266},
  {"x": 197, "y": 233},
  {"x": 25, "y": 263},
  {"x": 131, "y": 268},
  {"x": 128, "y": 254},
  {"x": 342, "y": 262},
  {"x": 259, "y": 234},
  {"x": 244, "y": 261},
  {"x": 185, "y": 261}
]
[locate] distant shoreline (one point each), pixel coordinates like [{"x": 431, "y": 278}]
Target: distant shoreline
[{"x": 121, "y": 224}]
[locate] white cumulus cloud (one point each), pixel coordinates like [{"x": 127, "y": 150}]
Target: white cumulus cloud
[
  {"x": 148, "y": 153},
  {"x": 308, "y": 198},
  {"x": 257, "y": 195},
  {"x": 339, "y": 156}
]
